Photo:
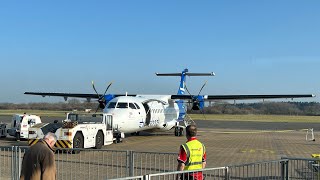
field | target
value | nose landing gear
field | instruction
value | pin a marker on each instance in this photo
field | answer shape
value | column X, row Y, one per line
column 178, row 131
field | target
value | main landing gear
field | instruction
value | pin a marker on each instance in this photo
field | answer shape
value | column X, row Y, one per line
column 178, row 131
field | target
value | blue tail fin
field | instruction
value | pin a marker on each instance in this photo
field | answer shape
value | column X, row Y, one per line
column 182, row 88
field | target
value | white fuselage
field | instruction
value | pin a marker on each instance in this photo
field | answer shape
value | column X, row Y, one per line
column 141, row 113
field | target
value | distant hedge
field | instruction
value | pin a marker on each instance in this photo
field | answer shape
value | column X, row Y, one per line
column 272, row 108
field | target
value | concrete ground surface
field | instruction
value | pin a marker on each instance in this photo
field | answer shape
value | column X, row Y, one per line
column 227, row 143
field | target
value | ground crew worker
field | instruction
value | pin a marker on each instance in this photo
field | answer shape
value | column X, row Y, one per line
column 38, row 162
column 192, row 155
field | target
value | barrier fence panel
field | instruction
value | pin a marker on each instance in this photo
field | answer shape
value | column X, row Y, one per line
column 149, row 162
column 220, row 173
column 91, row 164
column 259, row 170
column 303, row 168
column 6, row 163
column 19, row 151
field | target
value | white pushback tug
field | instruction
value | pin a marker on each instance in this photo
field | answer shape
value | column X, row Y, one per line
column 79, row 131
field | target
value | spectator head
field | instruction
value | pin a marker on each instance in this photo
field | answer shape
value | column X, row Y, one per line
column 191, row 131
column 50, row 138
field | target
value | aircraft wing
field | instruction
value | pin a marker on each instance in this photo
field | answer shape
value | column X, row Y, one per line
column 93, row 96
column 74, row 95
column 183, row 97
column 242, row 97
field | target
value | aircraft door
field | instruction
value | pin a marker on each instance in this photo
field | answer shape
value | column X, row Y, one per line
column 148, row 113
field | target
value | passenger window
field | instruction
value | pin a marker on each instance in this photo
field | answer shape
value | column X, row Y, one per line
column 132, row 106
column 122, row 105
column 112, row 105
column 137, row 105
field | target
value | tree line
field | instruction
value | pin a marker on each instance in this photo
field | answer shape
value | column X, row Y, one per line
column 269, row 108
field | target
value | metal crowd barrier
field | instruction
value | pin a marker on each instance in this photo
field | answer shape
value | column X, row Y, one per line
column 303, row 168
column 6, row 163
column 150, row 162
column 208, row 173
column 127, row 165
column 259, row 170
column 91, row 163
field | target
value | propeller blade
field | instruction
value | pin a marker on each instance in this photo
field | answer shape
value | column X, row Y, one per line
column 202, row 87
column 107, row 89
column 97, row 109
column 94, row 88
column 202, row 112
column 187, row 90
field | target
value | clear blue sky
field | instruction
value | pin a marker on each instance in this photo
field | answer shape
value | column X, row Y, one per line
column 254, row 47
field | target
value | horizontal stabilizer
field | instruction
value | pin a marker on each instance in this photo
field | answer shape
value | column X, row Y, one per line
column 187, row 74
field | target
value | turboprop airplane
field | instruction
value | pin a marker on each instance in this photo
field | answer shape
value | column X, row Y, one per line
column 133, row 113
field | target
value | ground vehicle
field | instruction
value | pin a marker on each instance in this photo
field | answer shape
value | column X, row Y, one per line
column 20, row 124
column 78, row 131
column 3, row 130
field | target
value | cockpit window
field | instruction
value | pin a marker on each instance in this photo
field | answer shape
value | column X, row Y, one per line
column 137, row 105
column 73, row 117
column 122, row 105
column 132, row 106
column 112, row 105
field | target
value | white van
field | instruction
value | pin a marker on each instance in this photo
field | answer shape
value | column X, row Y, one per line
column 20, row 125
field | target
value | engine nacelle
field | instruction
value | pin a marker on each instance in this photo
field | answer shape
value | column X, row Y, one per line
column 167, row 126
column 197, row 103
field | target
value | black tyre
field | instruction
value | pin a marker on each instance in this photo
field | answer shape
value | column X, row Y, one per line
column 135, row 133
column 119, row 139
column 178, row 131
column 99, row 140
column 181, row 132
column 77, row 142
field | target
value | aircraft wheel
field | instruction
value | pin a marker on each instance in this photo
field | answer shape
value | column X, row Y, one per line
column 99, row 140
column 77, row 142
column 176, row 131
column 135, row 133
column 181, row 131
column 118, row 138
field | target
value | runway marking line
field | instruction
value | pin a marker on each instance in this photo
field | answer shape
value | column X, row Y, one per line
column 263, row 151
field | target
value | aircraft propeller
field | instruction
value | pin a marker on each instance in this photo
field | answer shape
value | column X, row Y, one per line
column 101, row 100
column 197, row 101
